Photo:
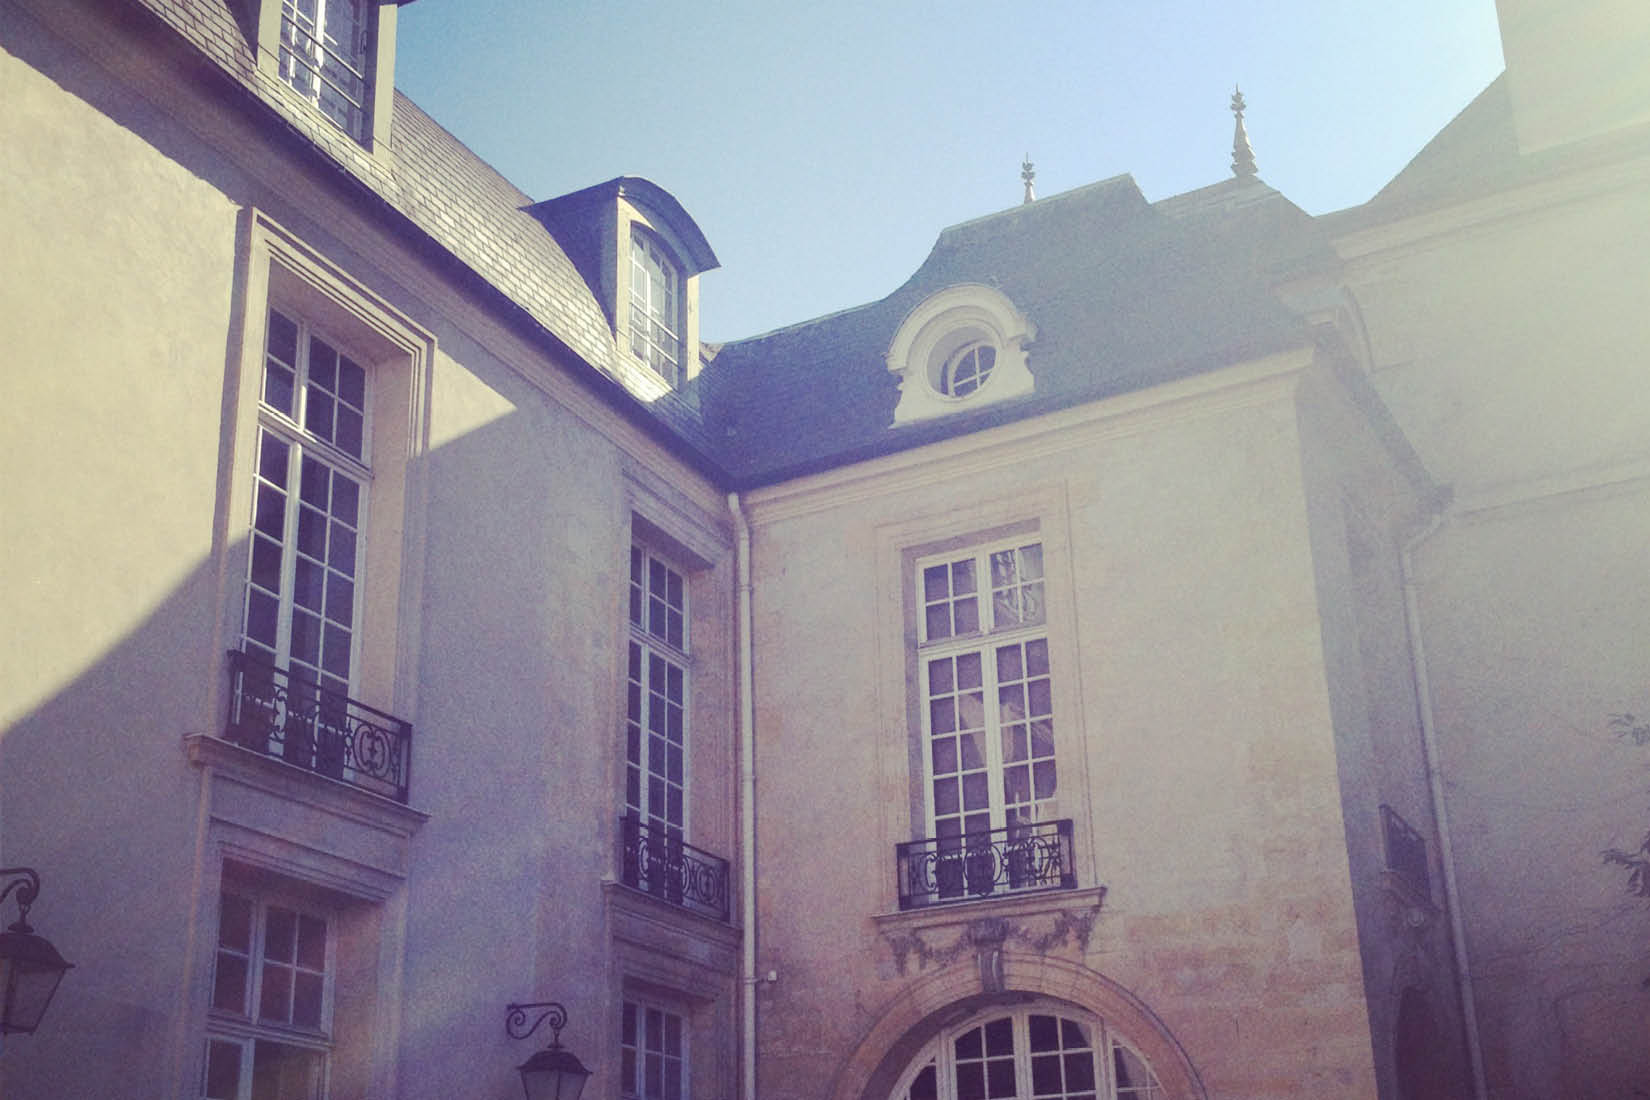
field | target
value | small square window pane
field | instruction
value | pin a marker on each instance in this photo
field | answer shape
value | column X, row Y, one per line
column 306, row 1000
column 1011, row 702
column 971, row 711
column 1045, row 1076
column 945, row 756
column 968, row 670
column 962, row 577
column 346, row 500
column 229, row 984
column 351, row 431
column 969, row 1045
column 306, row 638
column 1044, row 1032
column 1016, row 785
column 1080, row 1071
column 314, row 481
column 1042, row 738
column 973, row 752
column 945, row 796
column 279, row 386
column 223, row 1070
column 318, row 414
column 999, row 1037
column 1009, row 663
column 352, row 382
column 1005, row 609
column 968, row 615
column 1043, row 777
column 1002, row 569
column 308, row 584
column 275, row 997
column 934, row 585
column 235, row 923
column 942, row 716
column 940, row 679
column 341, row 549
column 335, row 657
column 273, row 454
column 312, row 942
column 1031, row 562
column 1014, row 744
column 1037, row 657
column 312, row 533
column 266, row 564
column 1038, row 698
column 938, row 621
column 323, row 363
column 280, row 934
column 262, row 617
column 269, row 518
column 283, row 338
column 340, row 599
column 976, row 791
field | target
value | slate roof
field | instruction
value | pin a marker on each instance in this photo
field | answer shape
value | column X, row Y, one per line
column 1125, row 294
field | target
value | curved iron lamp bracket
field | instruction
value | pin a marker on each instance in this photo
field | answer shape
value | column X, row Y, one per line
column 517, row 1027
column 27, row 884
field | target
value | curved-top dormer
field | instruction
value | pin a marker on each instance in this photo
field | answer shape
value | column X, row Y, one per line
column 641, row 254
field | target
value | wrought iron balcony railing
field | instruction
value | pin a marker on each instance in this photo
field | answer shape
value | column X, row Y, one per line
column 290, row 718
column 670, row 868
column 1018, row 859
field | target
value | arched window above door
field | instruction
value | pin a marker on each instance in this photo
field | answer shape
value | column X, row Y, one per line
column 1039, row 1052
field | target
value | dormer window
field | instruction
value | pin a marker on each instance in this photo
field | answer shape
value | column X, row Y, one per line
column 655, row 308
column 962, row 348
column 324, row 56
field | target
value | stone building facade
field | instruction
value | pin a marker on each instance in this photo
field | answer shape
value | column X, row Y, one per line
column 1176, row 666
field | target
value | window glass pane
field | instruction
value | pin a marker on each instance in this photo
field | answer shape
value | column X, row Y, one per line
column 282, row 1072
column 275, row 994
column 229, row 984
column 223, row 1070
column 235, row 923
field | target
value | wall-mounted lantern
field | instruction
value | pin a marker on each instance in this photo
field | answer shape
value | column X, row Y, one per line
column 554, row 1073
column 30, row 966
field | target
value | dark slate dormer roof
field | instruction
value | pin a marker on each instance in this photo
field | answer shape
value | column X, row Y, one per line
column 1125, row 294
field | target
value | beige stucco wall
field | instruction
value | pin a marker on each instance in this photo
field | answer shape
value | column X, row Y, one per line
column 1509, row 336
column 1197, row 753
column 124, row 336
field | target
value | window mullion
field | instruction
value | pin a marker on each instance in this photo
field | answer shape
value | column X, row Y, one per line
column 289, row 556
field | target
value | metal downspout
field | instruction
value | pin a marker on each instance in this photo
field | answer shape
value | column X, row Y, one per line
column 1435, row 783
column 747, row 803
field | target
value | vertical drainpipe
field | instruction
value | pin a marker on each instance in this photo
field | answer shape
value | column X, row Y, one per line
column 747, row 803
column 1435, row 782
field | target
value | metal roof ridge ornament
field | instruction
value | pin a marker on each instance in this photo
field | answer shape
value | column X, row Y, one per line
column 1243, row 157
column 1028, row 176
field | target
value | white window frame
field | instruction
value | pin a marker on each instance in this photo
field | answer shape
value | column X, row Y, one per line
column 672, row 648
column 639, row 1045
column 649, row 315
column 310, row 57
column 984, row 637
column 246, row 1028
column 302, row 443
column 1104, row 1044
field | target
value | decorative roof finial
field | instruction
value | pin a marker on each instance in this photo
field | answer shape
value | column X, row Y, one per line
column 1243, row 157
column 1028, row 174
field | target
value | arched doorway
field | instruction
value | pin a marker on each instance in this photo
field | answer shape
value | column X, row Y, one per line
column 1040, row 1051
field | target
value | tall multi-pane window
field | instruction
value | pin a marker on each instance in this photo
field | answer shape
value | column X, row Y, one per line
column 988, row 714
column 308, row 509
column 324, row 55
column 269, row 1028
column 656, row 697
column 653, row 1061
column 655, row 310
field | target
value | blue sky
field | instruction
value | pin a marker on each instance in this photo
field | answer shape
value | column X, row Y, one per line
column 822, row 147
